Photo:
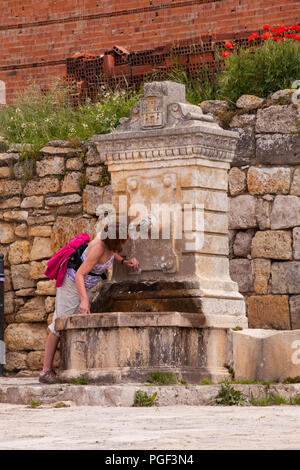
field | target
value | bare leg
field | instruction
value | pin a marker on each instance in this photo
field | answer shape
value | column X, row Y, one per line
column 50, row 349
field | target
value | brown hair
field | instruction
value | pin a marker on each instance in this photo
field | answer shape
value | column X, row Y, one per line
column 115, row 244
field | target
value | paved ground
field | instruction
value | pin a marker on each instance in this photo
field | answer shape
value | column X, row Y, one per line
column 165, row 428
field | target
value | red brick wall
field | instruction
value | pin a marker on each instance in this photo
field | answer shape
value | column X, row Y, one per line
column 37, row 36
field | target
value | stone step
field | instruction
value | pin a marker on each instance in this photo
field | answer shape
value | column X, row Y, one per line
column 23, row 391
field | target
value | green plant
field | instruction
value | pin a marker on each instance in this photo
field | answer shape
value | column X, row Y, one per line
column 142, row 399
column 292, row 380
column 295, row 400
column 34, row 404
column 229, row 396
column 160, row 378
column 260, row 70
column 206, row 382
column 61, row 404
column 268, row 400
column 79, row 381
column 237, row 328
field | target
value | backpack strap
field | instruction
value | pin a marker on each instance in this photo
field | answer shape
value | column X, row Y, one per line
column 75, row 261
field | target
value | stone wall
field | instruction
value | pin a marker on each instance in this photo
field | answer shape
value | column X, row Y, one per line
column 264, row 189
column 39, row 214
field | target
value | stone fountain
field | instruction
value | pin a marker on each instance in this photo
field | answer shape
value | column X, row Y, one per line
column 175, row 312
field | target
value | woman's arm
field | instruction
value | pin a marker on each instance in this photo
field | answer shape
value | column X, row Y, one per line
column 132, row 262
column 91, row 259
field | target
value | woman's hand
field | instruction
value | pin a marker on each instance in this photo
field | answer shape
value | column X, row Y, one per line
column 84, row 307
column 132, row 263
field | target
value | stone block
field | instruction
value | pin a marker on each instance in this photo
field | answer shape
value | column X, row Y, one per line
column 286, row 277
column 21, row 231
column 10, row 203
column 4, row 172
column 75, row 164
column 20, row 274
column 245, row 147
column 295, row 311
column 33, row 311
column 9, row 303
column 35, row 360
column 46, row 185
column 50, row 304
column 71, row 183
column 60, row 151
column 63, row 230
column 237, row 181
column 278, row 149
column 242, row 212
column 268, row 311
column 37, row 269
column 50, row 166
column 15, row 361
column 94, row 173
column 264, row 355
column 69, row 209
column 93, row 157
column 46, row 288
column 271, row 244
column 280, row 119
column 19, row 252
column 8, row 282
column 94, row 196
column 6, row 233
column 41, row 249
column 56, row 201
column 32, row 202
column 214, row 106
column 40, row 231
column 295, row 187
column 242, row 244
column 263, row 213
column 296, row 243
column 243, row 121
column 41, row 219
column 268, row 180
column 285, row 212
column 241, row 272
column 10, row 188
column 262, row 272
column 249, row 102
column 25, row 337
column 15, row 216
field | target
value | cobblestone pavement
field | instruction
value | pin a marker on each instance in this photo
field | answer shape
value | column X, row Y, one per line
column 166, row 428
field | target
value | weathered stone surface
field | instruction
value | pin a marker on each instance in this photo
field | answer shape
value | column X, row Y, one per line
column 285, row 212
column 94, row 173
column 33, row 311
column 8, row 283
column 50, row 166
column 71, row 183
column 249, row 102
column 283, row 95
column 296, row 243
column 6, row 233
column 242, row 212
column 269, row 244
column 10, row 203
column 35, row 360
column 40, row 231
column 50, row 304
column 242, row 243
column 262, row 272
column 15, row 361
column 37, row 269
column 25, row 292
column 7, row 159
column 19, row 252
column 245, row 147
column 60, row 151
column 268, row 180
column 243, row 120
column 263, row 213
column 10, row 188
column 295, row 311
column 9, row 302
column 75, row 164
column 41, row 249
column 46, row 185
column 21, row 276
column 15, row 216
column 268, row 311
column 274, row 119
column 4, row 172
column 93, row 157
column 61, row 200
column 65, row 228
column 93, row 196
column 34, row 202
column 25, row 337
column 69, row 209
column 295, row 187
column 21, row 231
column 46, row 288
column 278, row 149
column 42, row 219
column 24, row 169
column 4, row 249
column 241, row 272
column 285, row 277
column 214, row 106
column 237, row 181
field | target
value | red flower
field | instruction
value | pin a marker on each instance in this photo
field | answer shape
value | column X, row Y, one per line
column 275, row 38
column 225, row 54
column 267, row 35
column 266, row 27
column 228, row 45
column 253, row 36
